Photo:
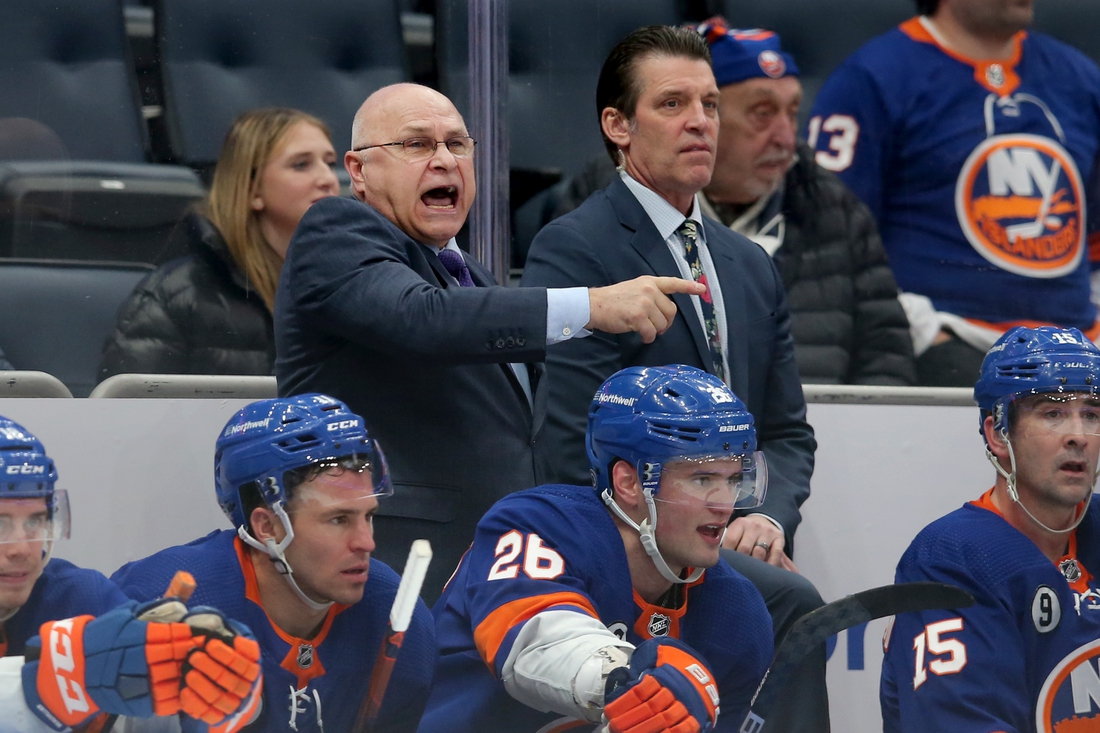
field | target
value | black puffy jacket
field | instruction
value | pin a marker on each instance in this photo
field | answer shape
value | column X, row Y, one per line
column 846, row 321
column 193, row 315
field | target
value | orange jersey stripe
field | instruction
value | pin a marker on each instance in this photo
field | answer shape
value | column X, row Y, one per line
column 916, row 30
column 1094, row 247
column 1093, row 332
column 490, row 633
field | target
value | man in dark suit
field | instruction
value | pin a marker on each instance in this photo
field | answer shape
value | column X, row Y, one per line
column 658, row 105
column 378, row 307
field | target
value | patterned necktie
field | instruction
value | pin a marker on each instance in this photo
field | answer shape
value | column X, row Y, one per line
column 690, row 236
column 456, row 266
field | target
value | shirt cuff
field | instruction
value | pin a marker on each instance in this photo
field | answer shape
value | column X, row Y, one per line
column 567, row 313
column 773, row 520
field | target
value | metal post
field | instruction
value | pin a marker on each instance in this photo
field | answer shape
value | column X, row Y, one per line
column 490, row 233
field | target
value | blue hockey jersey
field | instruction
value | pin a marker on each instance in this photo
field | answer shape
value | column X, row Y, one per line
column 62, row 591
column 1023, row 658
column 309, row 684
column 980, row 174
column 556, row 547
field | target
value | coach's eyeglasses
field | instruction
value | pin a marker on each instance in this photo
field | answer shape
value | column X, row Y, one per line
column 422, row 148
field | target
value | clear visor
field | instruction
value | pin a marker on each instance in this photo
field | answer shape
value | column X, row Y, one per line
column 33, row 520
column 355, row 476
column 721, row 482
column 1071, row 413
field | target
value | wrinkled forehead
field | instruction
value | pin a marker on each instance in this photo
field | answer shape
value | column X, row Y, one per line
column 336, row 488
column 724, row 464
column 418, row 113
column 22, row 507
column 1077, row 399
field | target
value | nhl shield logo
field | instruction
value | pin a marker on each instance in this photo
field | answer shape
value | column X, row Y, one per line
column 1070, row 569
column 305, row 656
column 995, row 75
column 659, row 624
column 771, row 64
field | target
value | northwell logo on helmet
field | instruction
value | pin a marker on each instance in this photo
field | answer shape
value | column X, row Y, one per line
column 232, row 430
column 616, row 399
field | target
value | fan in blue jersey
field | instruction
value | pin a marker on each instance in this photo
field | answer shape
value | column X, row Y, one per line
column 973, row 141
column 1024, row 657
column 300, row 479
column 60, row 683
column 577, row 606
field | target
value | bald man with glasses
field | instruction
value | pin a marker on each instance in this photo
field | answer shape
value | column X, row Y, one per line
column 378, row 307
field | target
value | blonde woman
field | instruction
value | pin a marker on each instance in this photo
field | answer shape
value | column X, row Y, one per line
column 209, row 312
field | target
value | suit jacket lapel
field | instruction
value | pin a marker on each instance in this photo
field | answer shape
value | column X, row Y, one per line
column 647, row 242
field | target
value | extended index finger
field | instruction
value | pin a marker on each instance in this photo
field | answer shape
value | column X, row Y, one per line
column 670, row 285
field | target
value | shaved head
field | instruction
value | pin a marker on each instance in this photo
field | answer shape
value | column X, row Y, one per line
column 373, row 113
column 428, row 199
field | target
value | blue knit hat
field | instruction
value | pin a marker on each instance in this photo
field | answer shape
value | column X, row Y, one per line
column 740, row 54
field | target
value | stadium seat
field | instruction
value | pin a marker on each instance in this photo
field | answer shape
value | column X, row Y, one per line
column 56, row 315
column 31, row 384
column 183, row 386
column 73, row 141
column 220, row 58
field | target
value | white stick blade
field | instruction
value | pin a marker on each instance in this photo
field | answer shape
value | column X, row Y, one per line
column 416, row 567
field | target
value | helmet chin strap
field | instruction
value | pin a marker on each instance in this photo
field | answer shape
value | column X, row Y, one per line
column 649, row 540
column 276, row 551
column 1014, row 494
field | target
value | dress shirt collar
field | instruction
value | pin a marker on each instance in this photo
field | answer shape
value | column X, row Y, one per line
column 664, row 215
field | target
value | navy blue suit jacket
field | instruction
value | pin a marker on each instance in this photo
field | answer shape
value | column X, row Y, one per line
column 366, row 314
column 609, row 239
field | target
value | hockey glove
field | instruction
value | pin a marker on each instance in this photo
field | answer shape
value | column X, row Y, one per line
column 666, row 688
column 222, row 683
column 117, row 663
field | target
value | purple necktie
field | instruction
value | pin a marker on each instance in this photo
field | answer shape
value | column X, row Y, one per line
column 456, row 266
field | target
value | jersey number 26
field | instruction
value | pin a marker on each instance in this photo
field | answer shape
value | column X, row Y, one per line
column 539, row 562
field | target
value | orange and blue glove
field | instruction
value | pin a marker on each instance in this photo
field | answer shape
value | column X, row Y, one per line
column 221, row 681
column 130, row 661
column 665, row 688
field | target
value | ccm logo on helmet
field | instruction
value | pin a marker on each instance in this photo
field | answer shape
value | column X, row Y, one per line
column 25, row 469
column 343, row 425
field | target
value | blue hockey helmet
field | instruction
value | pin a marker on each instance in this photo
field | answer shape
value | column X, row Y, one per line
column 269, row 442
column 26, row 472
column 648, row 416
column 657, row 417
column 1027, row 361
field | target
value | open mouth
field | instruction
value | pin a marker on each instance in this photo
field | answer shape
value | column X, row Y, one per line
column 443, row 197
column 1073, row 467
column 712, row 532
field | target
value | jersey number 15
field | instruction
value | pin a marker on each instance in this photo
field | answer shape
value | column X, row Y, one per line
column 932, row 641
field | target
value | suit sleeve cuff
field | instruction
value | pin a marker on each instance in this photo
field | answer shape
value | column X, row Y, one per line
column 567, row 313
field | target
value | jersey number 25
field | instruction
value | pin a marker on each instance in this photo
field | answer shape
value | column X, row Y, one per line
column 539, row 562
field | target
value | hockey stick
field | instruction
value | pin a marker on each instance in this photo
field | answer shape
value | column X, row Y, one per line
column 817, row 626
column 404, row 603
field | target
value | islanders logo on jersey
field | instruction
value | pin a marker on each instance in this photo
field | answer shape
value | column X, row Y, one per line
column 1020, row 203
column 1069, row 701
